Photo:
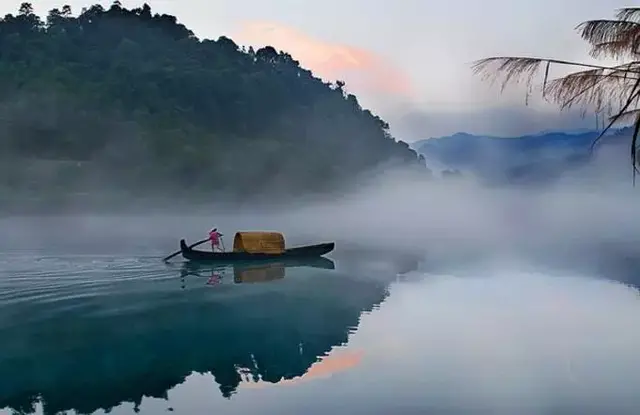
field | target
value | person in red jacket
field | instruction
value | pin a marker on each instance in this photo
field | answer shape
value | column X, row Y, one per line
column 214, row 237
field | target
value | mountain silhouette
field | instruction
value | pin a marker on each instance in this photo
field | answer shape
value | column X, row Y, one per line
column 532, row 159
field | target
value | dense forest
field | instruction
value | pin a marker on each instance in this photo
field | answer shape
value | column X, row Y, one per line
column 134, row 101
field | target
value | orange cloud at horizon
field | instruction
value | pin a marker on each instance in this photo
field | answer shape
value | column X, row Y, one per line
column 362, row 70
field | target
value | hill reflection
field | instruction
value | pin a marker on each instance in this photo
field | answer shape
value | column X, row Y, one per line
column 97, row 350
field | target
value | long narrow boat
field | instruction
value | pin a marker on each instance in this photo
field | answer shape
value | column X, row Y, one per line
column 239, row 254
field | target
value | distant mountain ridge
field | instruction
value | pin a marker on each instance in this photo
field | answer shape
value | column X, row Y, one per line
column 536, row 157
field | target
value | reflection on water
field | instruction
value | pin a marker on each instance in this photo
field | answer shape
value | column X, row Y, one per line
column 83, row 340
column 507, row 342
column 111, row 333
column 249, row 272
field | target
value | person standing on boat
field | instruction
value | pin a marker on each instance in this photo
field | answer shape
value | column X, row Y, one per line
column 214, row 237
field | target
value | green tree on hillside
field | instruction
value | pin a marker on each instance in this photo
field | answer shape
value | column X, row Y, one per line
column 141, row 101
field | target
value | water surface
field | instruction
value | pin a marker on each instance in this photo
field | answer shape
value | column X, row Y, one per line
column 122, row 333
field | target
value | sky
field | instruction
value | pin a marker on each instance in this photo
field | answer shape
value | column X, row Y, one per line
column 408, row 61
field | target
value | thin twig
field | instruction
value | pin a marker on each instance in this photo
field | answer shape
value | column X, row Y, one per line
column 634, row 95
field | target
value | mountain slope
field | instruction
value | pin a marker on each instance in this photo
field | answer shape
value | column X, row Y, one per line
column 133, row 100
column 540, row 158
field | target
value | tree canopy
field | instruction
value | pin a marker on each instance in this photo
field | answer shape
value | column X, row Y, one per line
column 134, row 99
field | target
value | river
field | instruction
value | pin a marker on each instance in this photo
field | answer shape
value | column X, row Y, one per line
column 90, row 330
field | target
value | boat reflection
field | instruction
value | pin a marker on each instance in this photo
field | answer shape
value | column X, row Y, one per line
column 249, row 272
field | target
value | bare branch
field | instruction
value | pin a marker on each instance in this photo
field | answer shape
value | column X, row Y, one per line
column 546, row 78
column 591, row 87
column 514, row 69
column 627, row 116
column 506, row 62
column 633, row 97
column 634, row 148
column 509, row 68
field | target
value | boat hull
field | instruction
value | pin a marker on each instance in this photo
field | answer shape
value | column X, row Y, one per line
column 303, row 252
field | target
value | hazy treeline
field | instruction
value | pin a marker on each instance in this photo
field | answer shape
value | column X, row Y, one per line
column 134, row 101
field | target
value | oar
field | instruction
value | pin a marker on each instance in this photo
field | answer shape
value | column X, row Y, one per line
column 190, row 246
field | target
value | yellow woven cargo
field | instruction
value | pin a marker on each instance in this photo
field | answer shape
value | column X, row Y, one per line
column 259, row 242
column 258, row 273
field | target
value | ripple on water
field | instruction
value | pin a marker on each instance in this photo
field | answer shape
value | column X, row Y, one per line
column 29, row 278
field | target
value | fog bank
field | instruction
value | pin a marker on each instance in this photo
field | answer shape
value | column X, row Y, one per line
column 438, row 218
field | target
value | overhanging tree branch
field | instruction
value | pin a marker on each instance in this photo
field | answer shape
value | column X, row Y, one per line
column 594, row 86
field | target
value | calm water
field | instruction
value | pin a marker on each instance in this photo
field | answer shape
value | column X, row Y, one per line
column 115, row 333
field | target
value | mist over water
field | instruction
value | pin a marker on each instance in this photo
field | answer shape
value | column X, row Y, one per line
column 521, row 300
column 398, row 213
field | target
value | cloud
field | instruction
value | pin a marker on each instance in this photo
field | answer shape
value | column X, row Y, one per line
column 363, row 70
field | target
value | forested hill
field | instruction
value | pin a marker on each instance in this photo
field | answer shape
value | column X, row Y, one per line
column 132, row 99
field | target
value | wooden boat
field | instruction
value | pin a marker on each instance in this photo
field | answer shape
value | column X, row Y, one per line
column 257, row 246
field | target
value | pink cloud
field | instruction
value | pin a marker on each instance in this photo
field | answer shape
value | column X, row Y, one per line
column 363, row 70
